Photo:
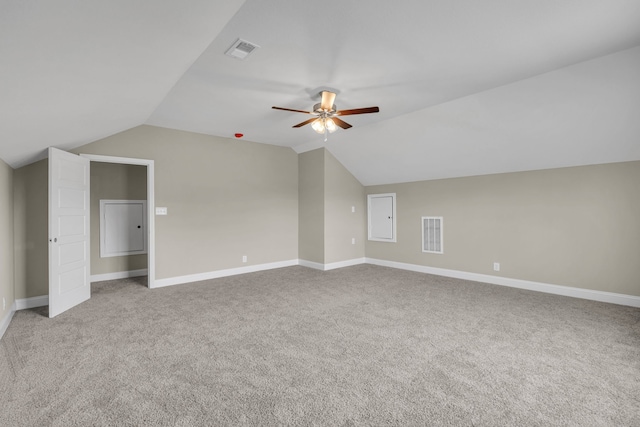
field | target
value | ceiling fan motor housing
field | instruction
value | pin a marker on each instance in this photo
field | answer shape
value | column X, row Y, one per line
column 318, row 108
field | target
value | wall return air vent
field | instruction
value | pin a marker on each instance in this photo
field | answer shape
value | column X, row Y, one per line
column 432, row 234
column 240, row 49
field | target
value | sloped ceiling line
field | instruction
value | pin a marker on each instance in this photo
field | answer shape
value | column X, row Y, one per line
column 464, row 88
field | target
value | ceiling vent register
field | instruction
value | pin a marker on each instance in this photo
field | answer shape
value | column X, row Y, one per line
column 240, row 49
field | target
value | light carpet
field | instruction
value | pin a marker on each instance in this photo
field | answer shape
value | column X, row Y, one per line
column 363, row 345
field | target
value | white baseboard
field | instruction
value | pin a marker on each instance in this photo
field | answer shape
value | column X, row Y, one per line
column 609, row 297
column 22, row 304
column 568, row 291
column 25, row 303
column 311, row 264
column 4, row 324
column 332, row 265
column 159, row 283
column 118, row 275
column 347, row 263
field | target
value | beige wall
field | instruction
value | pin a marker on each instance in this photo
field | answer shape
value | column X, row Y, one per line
column 576, row 227
column 6, row 239
column 31, row 225
column 327, row 191
column 311, row 206
column 225, row 197
column 342, row 191
column 112, row 181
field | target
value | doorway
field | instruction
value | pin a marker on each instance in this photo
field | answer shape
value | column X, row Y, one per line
column 150, row 204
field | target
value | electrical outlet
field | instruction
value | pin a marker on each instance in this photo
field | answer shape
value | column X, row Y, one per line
column 353, row 209
column 244, row 258
column 496, row 266
column 4, row 304
column 353, row 240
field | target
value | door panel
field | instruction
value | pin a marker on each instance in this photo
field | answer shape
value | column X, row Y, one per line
column 69, row 282
column 382, row 217
column 72, row 225
column 71, row 198
column 381, row 213
column 72, row 280
column 122, row 227
column 72, row 252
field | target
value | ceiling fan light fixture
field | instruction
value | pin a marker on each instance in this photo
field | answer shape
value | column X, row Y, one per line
column 324, row 124
column 330, row 125
column 318, row 126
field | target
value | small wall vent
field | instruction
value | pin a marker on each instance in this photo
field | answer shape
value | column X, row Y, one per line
column 240, row 49
column 432, row 234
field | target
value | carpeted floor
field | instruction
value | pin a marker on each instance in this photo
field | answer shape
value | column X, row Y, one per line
column 362, row 345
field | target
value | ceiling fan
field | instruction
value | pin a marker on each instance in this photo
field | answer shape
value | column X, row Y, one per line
column 326, row 114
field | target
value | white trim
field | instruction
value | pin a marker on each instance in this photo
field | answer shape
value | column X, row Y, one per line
column 26, row 303
column 151, row 219
column 610, row 297
column 311, row 264
column 114, row 159
column 4, row 324
column 118, row 275
column 222, row 273
column 347, row 263
column 333, row 265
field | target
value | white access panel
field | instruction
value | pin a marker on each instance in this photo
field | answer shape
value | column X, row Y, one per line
column 123, row 226
column 382, row 217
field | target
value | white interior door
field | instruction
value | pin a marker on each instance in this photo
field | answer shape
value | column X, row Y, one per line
column 69, row 268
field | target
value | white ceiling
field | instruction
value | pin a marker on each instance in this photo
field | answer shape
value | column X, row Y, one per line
column 464, row 87
column 74, row 71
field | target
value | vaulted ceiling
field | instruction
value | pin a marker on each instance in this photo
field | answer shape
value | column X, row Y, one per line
column 464, row 87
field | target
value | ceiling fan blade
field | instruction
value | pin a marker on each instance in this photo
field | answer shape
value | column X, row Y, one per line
column 358, row 111
column 327, row 100
column 341, row 123
column 306, row 122
column 289, row 109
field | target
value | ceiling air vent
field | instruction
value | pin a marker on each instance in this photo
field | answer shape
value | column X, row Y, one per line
column 241, row 49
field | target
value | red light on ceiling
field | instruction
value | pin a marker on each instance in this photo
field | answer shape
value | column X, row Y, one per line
column 239, row 135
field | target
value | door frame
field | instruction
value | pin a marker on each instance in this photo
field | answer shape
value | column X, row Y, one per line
column 151, row 225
